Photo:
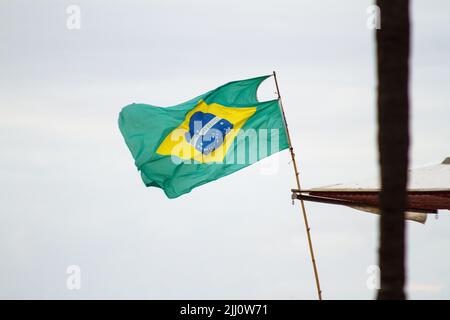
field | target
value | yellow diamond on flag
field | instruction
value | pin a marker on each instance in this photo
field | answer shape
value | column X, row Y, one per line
column 206, row 133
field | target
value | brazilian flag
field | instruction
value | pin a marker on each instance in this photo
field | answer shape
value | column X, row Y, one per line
column 213, row 135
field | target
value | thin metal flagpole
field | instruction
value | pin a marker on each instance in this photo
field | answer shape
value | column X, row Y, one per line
column 297, row 178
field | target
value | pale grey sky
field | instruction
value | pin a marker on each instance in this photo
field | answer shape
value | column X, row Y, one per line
column 70, row 194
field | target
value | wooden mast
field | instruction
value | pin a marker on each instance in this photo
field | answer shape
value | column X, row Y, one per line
column 302, row 204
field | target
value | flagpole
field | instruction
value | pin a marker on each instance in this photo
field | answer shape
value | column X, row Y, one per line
column 297, row 178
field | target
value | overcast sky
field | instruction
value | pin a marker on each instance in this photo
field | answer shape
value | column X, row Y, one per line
column 70, row 194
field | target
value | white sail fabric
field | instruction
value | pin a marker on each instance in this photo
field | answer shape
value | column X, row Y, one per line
column 430, row 178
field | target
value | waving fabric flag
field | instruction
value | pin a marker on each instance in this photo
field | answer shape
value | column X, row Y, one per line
column 213, row 135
